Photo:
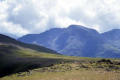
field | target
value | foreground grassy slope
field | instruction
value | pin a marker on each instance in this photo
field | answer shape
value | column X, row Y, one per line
column 71, row 71
column 16, row 59
column 23, row 63
column 81, row 74
column 16, row 56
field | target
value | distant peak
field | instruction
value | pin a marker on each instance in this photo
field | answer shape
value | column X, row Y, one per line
column 115, row 30
column 75, row 25
column 79, row 27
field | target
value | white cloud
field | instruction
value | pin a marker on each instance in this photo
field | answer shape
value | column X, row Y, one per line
column 17, row 9
column 10, row 27
column 35, row 16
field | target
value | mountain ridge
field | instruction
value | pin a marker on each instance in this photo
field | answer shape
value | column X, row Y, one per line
column 74, row 40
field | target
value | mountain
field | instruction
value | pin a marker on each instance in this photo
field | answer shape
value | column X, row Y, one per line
column 75, row 40
column 78, row 40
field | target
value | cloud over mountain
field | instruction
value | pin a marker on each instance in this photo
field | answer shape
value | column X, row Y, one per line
column 21, row 17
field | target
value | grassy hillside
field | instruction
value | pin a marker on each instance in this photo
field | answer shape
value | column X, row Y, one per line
column 23, row 63
column 15, row 59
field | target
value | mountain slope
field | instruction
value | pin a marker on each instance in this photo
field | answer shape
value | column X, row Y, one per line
column 77, row 40
column 111, row 44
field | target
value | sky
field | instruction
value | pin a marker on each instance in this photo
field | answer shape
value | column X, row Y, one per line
column 21, row 17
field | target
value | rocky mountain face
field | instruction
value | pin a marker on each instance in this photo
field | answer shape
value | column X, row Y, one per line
column 77, row 40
